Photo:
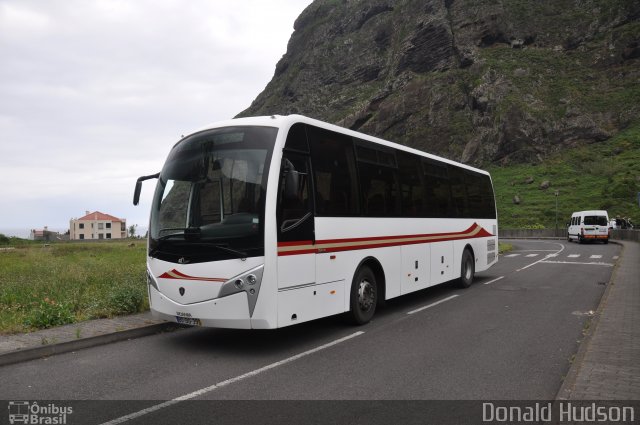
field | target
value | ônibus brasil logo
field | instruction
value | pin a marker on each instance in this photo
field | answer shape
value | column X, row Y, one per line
column 26, row 412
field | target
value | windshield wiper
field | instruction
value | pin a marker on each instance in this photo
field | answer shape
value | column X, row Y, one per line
column 188, row 232
column 240, row 254
column 192, row 236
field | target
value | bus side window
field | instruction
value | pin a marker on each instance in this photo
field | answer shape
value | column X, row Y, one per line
column 294, row 201
column 438, row 187
column 333, row 173
column 294, row 212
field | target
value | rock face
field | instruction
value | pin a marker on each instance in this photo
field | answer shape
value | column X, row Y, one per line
column 478, row 81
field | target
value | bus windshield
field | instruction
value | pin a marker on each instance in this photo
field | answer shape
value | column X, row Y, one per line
column 209, row 200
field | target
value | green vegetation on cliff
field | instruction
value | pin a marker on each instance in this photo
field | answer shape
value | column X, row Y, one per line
column 597, row 176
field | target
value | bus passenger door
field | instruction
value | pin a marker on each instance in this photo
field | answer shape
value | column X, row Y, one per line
column 296, row 253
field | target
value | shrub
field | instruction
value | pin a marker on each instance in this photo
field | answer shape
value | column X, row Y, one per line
column 126, row 300
column 49, row 313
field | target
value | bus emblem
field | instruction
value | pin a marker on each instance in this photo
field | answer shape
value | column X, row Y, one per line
column 181, row 290
column 183, row 260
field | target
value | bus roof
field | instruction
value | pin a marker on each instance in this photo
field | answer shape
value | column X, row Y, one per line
column 286, row 121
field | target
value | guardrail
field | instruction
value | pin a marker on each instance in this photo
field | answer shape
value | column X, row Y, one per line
column 623, row 235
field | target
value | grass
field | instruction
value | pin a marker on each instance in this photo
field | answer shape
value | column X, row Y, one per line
column 598, row 176
column 504, row 247
column 43, row 286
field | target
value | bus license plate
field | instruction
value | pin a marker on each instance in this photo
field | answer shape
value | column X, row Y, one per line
column 188, row 321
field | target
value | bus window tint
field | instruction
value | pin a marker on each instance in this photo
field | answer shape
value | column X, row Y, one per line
column 458, row 193
column 412, row 190
column 297, row 139
column 294, row 204
column 333, row 165
column 379, row 190
column 438, row 190
column 378, row 180
column 479, row 195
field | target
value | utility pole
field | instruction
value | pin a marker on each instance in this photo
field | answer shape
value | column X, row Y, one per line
column 557, row 192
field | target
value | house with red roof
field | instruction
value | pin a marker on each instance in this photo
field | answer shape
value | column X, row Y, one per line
column 44, row 235
column 97, row 225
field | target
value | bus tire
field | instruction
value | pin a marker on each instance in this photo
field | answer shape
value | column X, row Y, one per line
column 364, row 296
column 467, row 269
column 568, row 237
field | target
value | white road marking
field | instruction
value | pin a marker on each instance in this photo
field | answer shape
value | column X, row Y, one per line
column 202, row 391
column 596, row 256
column 534, row 250
column 543, row 258
column 573, row 255
column 494, row 280
column 531, row 255
column 615, row 257
column 432, row 304
column 578, row 262
column 552, row 255
column 512, row 255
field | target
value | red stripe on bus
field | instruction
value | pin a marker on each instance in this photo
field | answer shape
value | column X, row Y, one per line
column 306, row 247
column 382, row 238
column 175, row 274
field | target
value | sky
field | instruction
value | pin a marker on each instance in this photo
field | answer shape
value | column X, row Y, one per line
column 94, row 93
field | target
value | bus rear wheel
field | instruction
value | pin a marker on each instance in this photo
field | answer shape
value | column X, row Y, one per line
column 467, row 269
column 364, row 296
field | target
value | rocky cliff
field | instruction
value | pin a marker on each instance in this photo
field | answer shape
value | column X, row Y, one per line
column 480, row 81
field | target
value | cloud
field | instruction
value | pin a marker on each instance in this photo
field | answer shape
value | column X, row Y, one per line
column 95, row 93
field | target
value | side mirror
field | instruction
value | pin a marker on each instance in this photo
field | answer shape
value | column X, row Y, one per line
column 291, row 182
column 136, row 192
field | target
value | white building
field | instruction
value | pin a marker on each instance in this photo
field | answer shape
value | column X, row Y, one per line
column 97, row 225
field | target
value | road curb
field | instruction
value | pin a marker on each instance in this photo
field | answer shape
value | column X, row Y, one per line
column 27, row 354
column 570, row 379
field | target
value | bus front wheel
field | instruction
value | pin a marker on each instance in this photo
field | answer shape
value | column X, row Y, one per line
column 467, row 269
column 364, row 296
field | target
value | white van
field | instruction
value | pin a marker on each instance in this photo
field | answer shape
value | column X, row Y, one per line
column 589, row 226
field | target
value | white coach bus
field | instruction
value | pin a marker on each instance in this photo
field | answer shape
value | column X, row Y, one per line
column 266, row 222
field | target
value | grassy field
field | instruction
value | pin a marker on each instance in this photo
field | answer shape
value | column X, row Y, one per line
column 43, row 286
column 598, row 176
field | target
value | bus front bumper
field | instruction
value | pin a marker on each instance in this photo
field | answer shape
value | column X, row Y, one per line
column 227, row 312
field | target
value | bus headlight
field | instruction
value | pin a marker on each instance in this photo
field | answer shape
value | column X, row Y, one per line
column 252, row 279
column 239, row 283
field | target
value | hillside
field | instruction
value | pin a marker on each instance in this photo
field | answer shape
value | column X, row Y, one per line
column 493, row 83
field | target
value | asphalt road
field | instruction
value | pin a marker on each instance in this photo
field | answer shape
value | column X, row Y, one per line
column 510, row 336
